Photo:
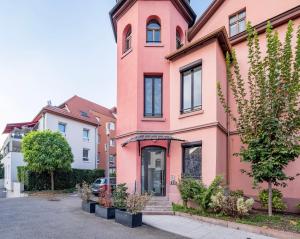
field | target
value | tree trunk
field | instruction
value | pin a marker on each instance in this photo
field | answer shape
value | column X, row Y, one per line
column 270, row 199
column 52, row 181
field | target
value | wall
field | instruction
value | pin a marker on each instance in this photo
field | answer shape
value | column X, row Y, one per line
column 74, row 137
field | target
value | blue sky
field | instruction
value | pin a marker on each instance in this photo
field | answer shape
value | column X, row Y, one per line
column 53, row 49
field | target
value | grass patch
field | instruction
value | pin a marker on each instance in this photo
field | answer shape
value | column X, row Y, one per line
column 278, row 221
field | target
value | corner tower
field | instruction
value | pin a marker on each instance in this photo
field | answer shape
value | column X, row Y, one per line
column 146, row 31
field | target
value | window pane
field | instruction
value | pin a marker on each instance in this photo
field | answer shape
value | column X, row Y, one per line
column 85, row 133
column 149, row 36
column 148, row 96
column 153, row 25
column 242, row 15
column 242, row 26
column 62, row 128
column 192, row 162
column 187, row 87
column 233, row 29
column 232, row 19
column 197, row 87
column 157, row 36
column 157, row 96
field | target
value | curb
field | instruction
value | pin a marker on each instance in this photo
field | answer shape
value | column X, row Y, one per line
column 238, row 226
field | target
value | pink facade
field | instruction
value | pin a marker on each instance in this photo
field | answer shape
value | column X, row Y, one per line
column 184, row 127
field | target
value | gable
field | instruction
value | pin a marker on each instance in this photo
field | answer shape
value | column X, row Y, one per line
column 257, row 11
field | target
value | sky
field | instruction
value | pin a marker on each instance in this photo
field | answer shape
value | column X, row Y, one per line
column 54, row 49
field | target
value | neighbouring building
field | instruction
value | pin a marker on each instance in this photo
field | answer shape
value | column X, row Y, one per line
column 83, row 124
column 170, row 120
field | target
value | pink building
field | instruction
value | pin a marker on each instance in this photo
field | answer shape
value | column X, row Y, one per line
column 170, row 121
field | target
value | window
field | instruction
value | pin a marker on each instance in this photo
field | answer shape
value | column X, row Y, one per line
column 84, row 114
column 153, row 96
column 192, row 160
column 85, row 154
column 237, row 23
column 127, row 45
column 62, row 128
column 112, row 160
column 191, row 92
column 178, row 39
column 98, row 158
column 85, row 134
column 112, row 143
column 153, row 31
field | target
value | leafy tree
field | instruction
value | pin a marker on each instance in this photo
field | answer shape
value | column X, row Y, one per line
column 268, row 120
column 46, row 151
column 1, row 167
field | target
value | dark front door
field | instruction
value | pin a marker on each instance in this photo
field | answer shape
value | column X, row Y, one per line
column 154, row 171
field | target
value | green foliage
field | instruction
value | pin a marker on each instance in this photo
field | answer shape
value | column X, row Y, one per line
column 205, row 198
column 120, row 196
column 194, row 190
column 136, row 203
column 46, row 151
column 1, row 167
column 268, row 113
column 63, row 180
column 277, row 199
column 231, row 205
column 237, row 193
column 85, row 192
column 189, row 188
column 298, row 206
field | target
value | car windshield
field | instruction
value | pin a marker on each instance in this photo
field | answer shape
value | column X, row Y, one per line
column 100, row 181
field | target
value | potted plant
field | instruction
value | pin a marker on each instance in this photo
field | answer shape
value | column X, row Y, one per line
column 133, row 216
column 85, row 193
column 120, row 196
column 105, row 208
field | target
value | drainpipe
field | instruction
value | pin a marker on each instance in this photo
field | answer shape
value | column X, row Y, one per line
column 228, row 135
column 96, row 144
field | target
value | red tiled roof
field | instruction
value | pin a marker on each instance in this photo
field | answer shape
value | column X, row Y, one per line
column 77, row 104
column 64, row 113
column 10, row 127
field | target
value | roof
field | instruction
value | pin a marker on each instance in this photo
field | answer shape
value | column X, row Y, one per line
column 64, row 113
column 10, row 127
column 145, row 137
column 219, row 34
column 182, row 5
column 78, row 104
column 212, row 8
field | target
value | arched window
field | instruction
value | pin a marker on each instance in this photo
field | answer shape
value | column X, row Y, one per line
column 153, row 31
column 179, row 37
column 127, row 39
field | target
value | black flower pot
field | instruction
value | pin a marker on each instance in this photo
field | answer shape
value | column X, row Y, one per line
column 88, row 206
column 104, row 212
column 127, row 219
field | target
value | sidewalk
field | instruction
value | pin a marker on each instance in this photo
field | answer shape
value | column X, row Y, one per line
column 196, row 229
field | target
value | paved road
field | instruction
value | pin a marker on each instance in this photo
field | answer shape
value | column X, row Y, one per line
column 37, row 218
column 198, row 230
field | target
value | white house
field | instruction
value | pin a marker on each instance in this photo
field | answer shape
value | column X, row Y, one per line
column 80, row 130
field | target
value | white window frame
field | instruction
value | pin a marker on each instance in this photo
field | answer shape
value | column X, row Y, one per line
column 112, row 143
column 65, row 125
column 88, row 135
column 85, row 159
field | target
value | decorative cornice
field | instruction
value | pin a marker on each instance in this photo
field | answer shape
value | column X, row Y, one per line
column 219, row 34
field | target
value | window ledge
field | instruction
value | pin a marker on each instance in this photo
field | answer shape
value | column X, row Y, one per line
column 149, row 44
column 154, row 119
column 189, row 114
column 126, row 53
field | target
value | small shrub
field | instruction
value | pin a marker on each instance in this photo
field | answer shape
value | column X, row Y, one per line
column 189, row 188
column 85, row 192
column 105, row 199
column 135, row 203
column 230, row 205
column 277, row 199
column 237, row 193
column 120, row 196
column 298, row 206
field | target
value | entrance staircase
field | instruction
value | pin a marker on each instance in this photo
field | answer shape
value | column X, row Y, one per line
column 158, row 206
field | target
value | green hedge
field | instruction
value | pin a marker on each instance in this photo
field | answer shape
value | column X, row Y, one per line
column 62, row 180
column 1, row 172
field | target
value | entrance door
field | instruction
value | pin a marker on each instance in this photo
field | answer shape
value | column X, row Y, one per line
column 154, row 171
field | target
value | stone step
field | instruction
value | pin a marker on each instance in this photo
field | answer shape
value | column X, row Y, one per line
column 159, row 199
column 159, row 204
column 158, row 213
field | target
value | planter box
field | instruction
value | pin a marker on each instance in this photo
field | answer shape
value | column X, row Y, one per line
column 128, row 219
column 88, row 206
column 107, row 213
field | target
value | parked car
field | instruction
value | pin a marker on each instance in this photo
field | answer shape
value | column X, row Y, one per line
column 99, row 185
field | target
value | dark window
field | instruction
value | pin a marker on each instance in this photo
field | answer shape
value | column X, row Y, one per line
column 191, row 89
column 178, row 40
column 62, row 127
column 153, row 31
column 153, row 97
column 237, row 23
column 84, row 114
column 192, row 160
column 128, row 40
column 85, row 154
